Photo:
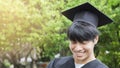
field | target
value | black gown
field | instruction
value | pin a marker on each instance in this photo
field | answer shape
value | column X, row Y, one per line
column 68, row 62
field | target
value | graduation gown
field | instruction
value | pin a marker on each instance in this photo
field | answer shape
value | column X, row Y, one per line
column 68, row 62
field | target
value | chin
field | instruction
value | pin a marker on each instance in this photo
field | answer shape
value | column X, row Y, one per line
column 79, row 58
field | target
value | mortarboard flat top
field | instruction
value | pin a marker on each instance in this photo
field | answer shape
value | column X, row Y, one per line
column 102, row 18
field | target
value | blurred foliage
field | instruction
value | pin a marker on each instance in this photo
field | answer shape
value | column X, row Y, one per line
column 39, row 24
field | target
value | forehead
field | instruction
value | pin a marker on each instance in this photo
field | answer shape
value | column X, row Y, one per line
column 76, row 41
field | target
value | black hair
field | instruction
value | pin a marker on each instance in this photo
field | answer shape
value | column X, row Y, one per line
column 82, row 31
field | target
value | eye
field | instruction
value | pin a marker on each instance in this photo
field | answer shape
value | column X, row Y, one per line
column 73, row 42
column 85, row 42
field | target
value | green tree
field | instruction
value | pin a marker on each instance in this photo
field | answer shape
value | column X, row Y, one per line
column 39, row 24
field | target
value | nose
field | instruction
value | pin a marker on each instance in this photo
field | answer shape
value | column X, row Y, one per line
column 78, row 47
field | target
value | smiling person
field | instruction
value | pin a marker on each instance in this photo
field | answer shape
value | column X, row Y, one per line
column 83, row 35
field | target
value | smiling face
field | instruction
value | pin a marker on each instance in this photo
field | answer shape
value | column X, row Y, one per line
column 83, row 52
column 83, row 37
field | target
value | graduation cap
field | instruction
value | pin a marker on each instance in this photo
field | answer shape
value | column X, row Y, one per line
column 87, row 13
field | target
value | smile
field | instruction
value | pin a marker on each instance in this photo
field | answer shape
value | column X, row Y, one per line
column 79, row 54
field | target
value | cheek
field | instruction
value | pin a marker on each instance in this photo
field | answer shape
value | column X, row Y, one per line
column 89, row 47
column 71, row 47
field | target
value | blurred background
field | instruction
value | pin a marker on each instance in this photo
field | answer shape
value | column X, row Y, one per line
column 33, row 32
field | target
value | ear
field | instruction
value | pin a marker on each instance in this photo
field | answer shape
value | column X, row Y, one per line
column 96, row 39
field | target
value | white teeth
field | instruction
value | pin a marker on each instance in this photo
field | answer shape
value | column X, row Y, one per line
column 79, row 51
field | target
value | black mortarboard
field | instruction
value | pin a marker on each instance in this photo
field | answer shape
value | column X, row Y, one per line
column 87, row 13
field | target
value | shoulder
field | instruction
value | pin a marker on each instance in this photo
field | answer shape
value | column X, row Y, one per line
column 57, row 62
column 95, row 64
column 100, row 64
column 63, row 58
